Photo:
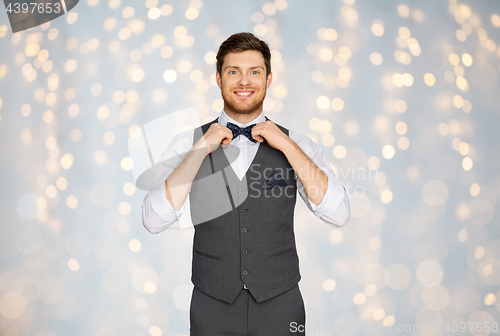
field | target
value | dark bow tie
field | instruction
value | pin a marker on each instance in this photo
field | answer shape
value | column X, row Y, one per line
column 237, row 130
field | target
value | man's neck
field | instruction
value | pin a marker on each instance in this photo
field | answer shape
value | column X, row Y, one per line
column 243, row 118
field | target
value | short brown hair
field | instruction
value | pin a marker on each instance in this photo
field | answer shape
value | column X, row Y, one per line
column 242, row 42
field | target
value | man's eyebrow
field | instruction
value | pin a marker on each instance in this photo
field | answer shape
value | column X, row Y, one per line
column 237, row 67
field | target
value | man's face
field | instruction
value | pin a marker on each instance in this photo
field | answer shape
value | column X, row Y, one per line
column 243, row 81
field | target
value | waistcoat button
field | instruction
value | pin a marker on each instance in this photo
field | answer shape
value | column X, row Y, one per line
column 244, row 230
column 243, row 209
column 245, row 272
column 245, row 251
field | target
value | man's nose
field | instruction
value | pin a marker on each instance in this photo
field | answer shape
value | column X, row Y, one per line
column 244, row 80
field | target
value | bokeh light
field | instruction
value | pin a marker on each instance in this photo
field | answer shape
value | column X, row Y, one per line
column 402, row 98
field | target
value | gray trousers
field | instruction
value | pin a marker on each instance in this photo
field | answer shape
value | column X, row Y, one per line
column 246, row 317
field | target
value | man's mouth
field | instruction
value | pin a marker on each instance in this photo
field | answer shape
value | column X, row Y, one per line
column 244, row 93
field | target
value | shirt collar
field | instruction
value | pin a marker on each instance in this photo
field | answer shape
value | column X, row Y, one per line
column 224, row 119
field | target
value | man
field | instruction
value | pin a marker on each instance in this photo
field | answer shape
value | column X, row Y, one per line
column 242, row 173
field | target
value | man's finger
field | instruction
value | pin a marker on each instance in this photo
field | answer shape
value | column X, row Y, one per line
column 229, row 134
column 258, row 138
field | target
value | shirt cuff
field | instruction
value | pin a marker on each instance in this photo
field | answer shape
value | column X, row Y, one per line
column 334, row 195
column 162, row 207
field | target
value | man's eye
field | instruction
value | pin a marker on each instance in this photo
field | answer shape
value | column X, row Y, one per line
column 232, row 72
column 255, row 72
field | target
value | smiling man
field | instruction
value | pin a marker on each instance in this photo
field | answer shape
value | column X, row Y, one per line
column 242, row 173
column 245, row 82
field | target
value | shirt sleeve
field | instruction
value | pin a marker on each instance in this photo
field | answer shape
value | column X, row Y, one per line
column 157, row 212
column 334, row 208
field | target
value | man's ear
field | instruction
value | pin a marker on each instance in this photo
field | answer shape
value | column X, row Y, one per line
column 218, row 79
column 269, row 80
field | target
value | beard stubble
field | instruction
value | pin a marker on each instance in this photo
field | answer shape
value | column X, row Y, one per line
column 234, row 108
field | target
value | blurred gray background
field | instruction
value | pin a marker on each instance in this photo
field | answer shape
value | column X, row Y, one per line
column 402, row 97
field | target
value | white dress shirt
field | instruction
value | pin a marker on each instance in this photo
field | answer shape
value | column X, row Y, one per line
column 158, row 214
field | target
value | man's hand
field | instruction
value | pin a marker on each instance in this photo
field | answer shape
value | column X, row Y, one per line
column 178, row 183
column 313, row 179
column 214, row 136
column 274, row 136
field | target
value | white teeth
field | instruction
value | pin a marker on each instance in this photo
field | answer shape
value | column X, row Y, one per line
column 244, row 93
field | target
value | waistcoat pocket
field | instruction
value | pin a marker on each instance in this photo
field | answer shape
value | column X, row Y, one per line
column 280, row 252
column 207, row 255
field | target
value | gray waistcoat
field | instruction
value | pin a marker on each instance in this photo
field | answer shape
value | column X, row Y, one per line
column 243, row 230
